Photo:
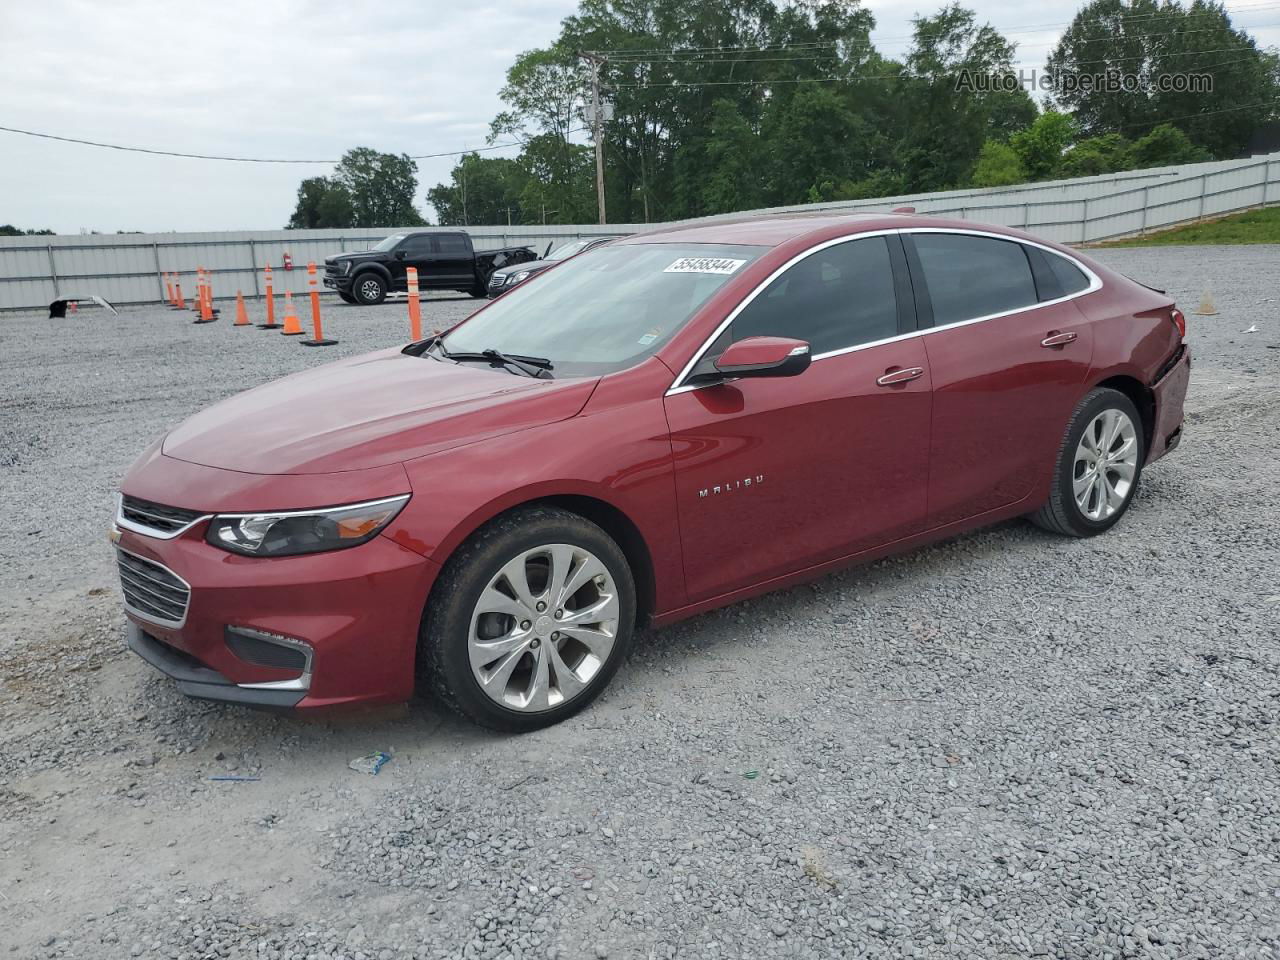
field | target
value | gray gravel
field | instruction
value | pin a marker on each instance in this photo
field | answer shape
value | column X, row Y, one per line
column 1007, row 745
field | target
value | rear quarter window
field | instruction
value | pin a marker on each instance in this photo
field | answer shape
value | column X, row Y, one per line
column 1071, row 279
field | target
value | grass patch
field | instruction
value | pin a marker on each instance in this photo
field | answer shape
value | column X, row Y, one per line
column 1253, row 226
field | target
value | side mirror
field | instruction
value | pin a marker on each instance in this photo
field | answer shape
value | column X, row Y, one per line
column 765, row 357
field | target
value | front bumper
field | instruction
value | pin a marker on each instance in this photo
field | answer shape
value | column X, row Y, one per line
column 196, row 680
column 355, row 613
column 337, row 282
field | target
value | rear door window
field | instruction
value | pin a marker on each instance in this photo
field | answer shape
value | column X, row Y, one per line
column 451, row 244
column 969, row 276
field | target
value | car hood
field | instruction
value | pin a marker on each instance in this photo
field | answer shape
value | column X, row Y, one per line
column 369, row 411
column 354, row 255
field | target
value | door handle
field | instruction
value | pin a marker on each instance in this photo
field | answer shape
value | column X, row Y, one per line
column 1058, row 339
column 900, row 376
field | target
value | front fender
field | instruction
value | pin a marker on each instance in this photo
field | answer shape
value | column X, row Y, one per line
column 374, row 267
column 617, row 451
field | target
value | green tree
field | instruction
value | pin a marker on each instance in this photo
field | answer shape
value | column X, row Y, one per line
column 1108, row 153
column 381, row 187
column 733, row 177
column 946, row 123
column 483, row 190
column 998, row 166
column 1154, row 39
column 1163, row 146
column 322, row 203
column 1040, row 146
column 544, row 91
column 9, row 230
column 560, row 184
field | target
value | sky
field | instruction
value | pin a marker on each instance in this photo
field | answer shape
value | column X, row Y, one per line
column 297, row 80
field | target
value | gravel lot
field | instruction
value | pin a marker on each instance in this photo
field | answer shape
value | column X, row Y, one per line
column 1007, row 745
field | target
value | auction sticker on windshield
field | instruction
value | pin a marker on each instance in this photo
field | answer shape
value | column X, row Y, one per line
column 704, row 265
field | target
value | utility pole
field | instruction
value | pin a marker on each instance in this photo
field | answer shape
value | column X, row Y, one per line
column 596, row 60
column 464, row 190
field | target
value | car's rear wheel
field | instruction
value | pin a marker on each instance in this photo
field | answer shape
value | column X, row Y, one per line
column 369, row 289
column 481, row 289
column 1098, row 468
column 529, row 620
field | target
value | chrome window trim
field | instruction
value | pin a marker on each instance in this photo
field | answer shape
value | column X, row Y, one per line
column 1095, row 284
column 152, row 532
column 142, row 615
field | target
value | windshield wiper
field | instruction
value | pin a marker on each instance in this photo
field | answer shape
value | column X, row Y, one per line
column 536, row 367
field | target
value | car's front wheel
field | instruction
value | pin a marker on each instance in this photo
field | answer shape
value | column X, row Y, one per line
column 529, row 620
column 1098, row 468
column 346, row 297
column 369, row 289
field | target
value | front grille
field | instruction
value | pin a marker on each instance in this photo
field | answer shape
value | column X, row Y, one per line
column 156, row 516
column 153, row 591
column 497, row 280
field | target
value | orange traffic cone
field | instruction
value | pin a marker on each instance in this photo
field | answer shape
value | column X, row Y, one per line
column 271, row 305
column 179, row 303
column 292, row 325
column 242, row 315
column 318, row 338
column 207, row 313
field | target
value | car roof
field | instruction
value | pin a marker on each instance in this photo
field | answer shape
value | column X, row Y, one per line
column 777, row 229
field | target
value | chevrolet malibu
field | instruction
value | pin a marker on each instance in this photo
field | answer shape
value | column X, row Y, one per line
column 681, row 420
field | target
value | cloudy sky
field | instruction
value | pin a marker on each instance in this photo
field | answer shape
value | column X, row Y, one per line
column 297, row 80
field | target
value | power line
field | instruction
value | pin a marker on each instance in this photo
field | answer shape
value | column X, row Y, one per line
column 1203, row 113
column 205, row 156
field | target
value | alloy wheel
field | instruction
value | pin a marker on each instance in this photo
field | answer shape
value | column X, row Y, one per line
column 1106, row 463
column 543, row 628
column 370, row 289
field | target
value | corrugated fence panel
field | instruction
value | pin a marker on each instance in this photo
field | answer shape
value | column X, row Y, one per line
column 126, row 268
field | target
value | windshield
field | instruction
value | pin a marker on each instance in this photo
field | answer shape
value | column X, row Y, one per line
column 388, row 243
column 568, row 250
column 606, row 312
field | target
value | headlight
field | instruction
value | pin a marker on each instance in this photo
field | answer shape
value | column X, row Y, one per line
column 346, row 266
column 307, row 531
column 517, row 277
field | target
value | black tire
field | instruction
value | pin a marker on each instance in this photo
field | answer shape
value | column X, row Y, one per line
column 482, row 288
column 346, row 297
column 1061, row 513
column 369, row 289
column 444, row 666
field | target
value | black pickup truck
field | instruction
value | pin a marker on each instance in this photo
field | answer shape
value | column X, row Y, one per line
column 445, row 260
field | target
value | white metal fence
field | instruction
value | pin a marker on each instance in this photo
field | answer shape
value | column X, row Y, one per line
column 130, row 268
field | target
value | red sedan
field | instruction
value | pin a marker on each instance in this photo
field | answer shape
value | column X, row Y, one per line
column 656, row 428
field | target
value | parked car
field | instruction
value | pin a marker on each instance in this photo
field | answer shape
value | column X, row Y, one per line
column 503, row 279
column 678, row 421
column 444, row 259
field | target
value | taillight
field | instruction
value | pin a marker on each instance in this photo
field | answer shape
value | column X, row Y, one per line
column 1180, row 322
